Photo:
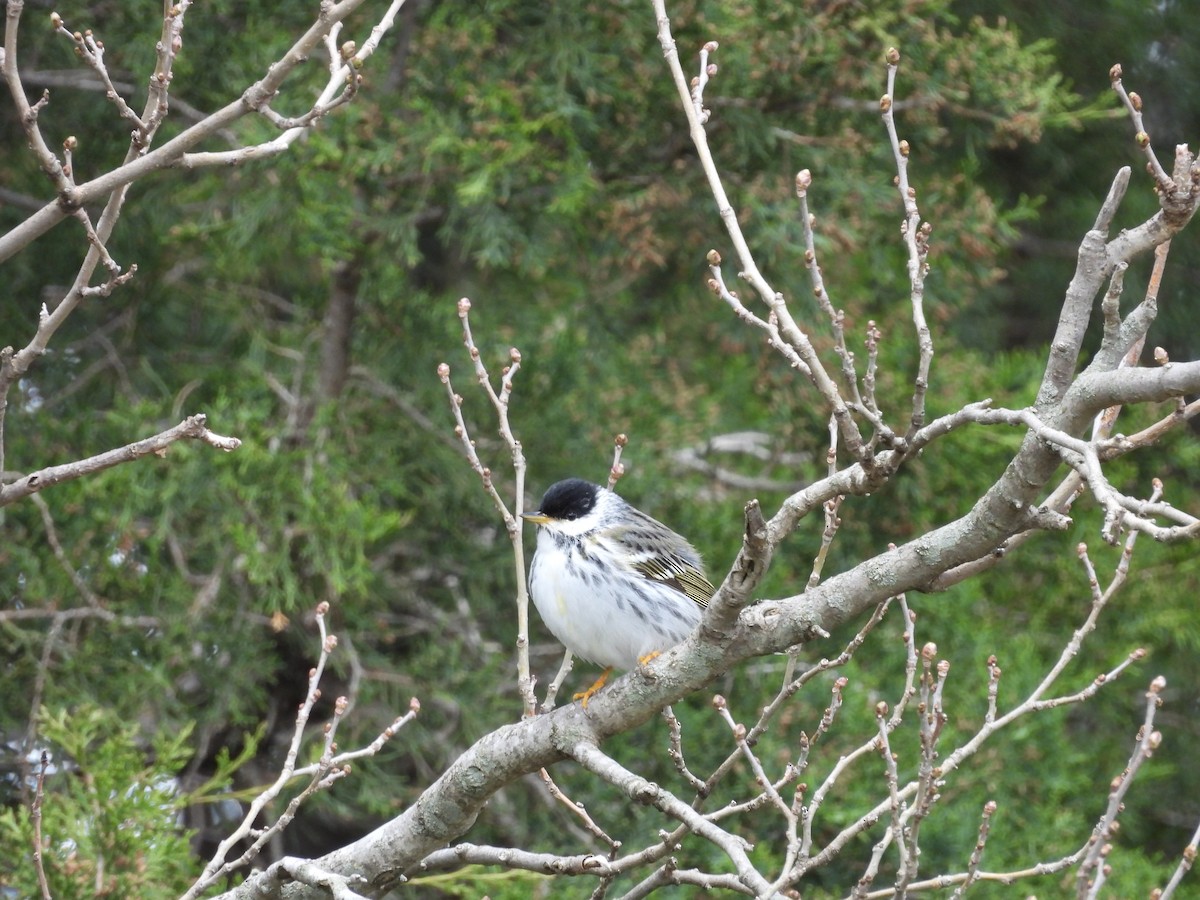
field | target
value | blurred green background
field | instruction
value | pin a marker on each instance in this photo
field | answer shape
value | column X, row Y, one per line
column 533, row 158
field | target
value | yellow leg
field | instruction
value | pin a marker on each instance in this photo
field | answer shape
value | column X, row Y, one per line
column 587, row 695
column 653, row 654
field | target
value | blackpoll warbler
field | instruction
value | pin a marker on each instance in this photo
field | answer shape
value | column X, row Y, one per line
column 614, row 585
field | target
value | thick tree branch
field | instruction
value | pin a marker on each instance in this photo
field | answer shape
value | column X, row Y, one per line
column 1099, row 390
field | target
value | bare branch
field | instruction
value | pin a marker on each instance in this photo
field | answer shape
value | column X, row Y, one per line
column 327, row 770
column 31, row 613
column 1186, row 860
column 172, row 153
column 617, row 469
column 192, row 427
column 35, row 814
column 1092, row 874
column 91, row 51
column 511, row 519
column 774, row 300
column 972, row 873
column 339, row 887
column 84, row 80
column 916, row 240
column 1133, row 103
column 639, row 789
column 804, row 180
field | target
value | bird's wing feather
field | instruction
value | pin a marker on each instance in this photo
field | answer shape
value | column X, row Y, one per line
column 675, row 563
column 680, row 575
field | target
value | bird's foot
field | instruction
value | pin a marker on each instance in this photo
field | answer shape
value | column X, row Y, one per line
column 587, row 695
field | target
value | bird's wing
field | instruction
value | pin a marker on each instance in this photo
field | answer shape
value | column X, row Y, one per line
column 679, row 574
column 676, row 565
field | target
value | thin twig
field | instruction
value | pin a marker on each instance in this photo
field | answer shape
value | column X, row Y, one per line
column 804, row 180
column 1133, row 104
column 1186, row 860
column 985, row 827
column 35, row 814
column 1092, row 872
column 775, row 302
column 578, row 810
column 916, row 240
column 330, row 768
column 617, row 469
column 512, row 519
column 192, row 427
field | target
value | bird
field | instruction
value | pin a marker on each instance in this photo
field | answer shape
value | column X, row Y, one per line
column 613, row 585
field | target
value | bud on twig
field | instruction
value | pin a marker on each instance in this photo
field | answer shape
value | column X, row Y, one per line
column 885, row 103
column 892, row 56
column 1114, row 74
column 713, row 257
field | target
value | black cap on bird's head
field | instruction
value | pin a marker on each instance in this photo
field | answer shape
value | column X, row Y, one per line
column 566, row 500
